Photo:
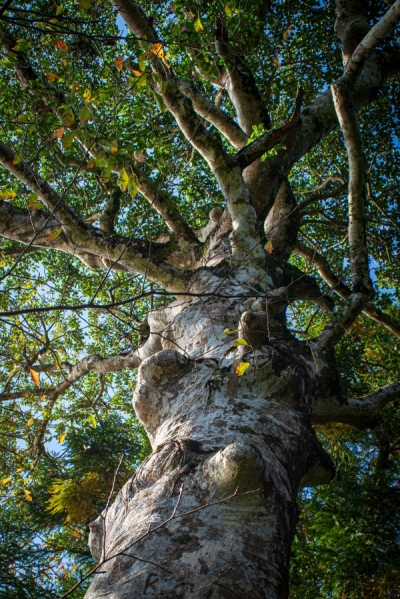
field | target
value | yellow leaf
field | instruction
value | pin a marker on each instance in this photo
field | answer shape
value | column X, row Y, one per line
column 62, row 46
column 19, row 469
column 87, row 95
column 158, row 49
column 5, row 481
column 239, row 342
column 269, row 248
column 241, row 368
column 198, row 26
column 28, row 495
column 119, row 63
column 58, row 133
column 29, row 422
column 123, row 180
column 230, row 332
column 54, row 234
column 64, row 63
column 61, row 438
column 51, row 77
column 92, row 420
column 114, row 150
column 34, row 376
column 6, row 194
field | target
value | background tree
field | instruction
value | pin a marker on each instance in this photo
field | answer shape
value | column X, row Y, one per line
column 177, row 196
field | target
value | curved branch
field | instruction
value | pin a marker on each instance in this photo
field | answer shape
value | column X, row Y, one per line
column 342, row 290
column 360, row 413
column 217, row 117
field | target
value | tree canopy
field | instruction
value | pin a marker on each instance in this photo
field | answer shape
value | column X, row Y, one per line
column 118, row 130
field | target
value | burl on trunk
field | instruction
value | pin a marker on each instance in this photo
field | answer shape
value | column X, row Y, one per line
column 214, row 434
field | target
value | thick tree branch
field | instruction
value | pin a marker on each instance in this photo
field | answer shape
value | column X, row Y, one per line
column 85, row 241
column 360, row 413
column 372, row 39
column 266, row 142
column 342, row 289
column 217, row 117
column 240, row 84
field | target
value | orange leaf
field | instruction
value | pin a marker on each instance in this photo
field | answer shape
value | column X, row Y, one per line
column 277, row 64
column 119, row 63
column 58, row 133
column 51, row 77
column 269, row 247
column 34, row 376
column 137, row 72
column 62, row 46
column 242, row 367
column 54, row 234
column 91, row 164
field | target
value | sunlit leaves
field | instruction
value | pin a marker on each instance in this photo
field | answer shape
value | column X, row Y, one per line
column 123, row 180
column 27, row 495
column 239, row 342
column 198, row 25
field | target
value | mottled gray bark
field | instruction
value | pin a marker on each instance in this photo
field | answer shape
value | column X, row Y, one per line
column 214, row 431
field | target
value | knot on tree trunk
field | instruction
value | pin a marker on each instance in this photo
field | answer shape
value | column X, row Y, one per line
column 239, row 465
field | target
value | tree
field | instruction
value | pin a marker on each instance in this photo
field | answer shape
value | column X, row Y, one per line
column 248, row 326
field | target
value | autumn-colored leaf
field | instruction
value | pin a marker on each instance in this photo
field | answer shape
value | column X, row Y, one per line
column 43, row 397
column 92, row 420
column 29, row 422
column 61, row 438
column 28, row 495
column 17, row 159
column 119, row 63
column 277, row 64
column 137, row 72
column 239, row 342
column 34, row 376
column 286, row 32
column 56, row 233
column 5, row 481
column 269, row 248
column 7, row 194
column 91, row 164
column 62, row 46
column 68, row 117
column 86, row 95
column 51, row 77
column 198, row 26
column 114, row 149
column 32, row 201
column 58, row 133
column 158, row 49
column 241, row 368
column 123, row 180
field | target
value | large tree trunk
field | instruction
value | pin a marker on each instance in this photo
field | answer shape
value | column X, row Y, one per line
column 213, row 432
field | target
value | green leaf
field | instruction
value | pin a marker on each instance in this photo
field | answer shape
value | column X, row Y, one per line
column 229, row 332
column 92, row 420
column 84, row 114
